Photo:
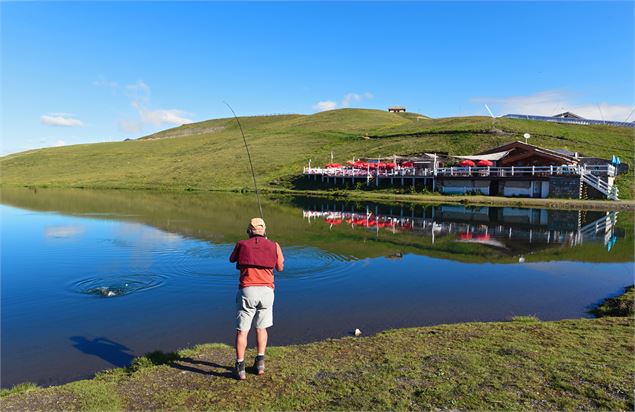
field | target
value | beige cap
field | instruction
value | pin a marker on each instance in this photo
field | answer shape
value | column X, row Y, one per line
column 257, row 224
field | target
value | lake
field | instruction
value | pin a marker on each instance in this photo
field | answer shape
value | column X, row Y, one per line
column 92, row 279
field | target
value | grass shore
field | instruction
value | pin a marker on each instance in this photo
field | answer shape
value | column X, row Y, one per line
column 473, row 200
column 522, row 364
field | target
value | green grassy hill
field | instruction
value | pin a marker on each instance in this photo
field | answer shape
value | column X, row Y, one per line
column 211, row 155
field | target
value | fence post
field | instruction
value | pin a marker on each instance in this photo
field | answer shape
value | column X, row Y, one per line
column 512, row 170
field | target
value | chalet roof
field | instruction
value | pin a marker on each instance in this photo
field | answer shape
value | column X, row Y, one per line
column 416, row 157
column 569, row 115
column 489, row 156
column 538, row 150
column 397, row 108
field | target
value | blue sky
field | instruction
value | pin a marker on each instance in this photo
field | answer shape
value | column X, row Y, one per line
column 105, row 71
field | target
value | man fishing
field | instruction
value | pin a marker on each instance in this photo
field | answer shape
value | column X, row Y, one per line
column 256, row 258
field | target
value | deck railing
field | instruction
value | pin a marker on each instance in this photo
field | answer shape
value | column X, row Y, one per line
column 493, row 171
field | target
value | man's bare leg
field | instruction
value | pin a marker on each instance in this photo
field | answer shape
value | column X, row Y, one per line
column 261, row 338
column 241, row 344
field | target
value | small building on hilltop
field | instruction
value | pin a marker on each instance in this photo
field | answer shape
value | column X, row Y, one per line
column 397, row 109
column 568, row 115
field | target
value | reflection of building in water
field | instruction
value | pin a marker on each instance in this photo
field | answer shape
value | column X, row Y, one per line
column 508, row 228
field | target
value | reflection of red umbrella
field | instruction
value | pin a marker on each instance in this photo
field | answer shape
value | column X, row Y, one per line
column 407, row 164
column 360, row 222
column 465, row 236
column 333, row 221
column 484, row 236
column 485, row 163
column 466, row 162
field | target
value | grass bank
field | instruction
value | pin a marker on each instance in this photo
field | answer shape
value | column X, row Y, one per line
column 435, row 198
column 523, row 364
column 621, row 305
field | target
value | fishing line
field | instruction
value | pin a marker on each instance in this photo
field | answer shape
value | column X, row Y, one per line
column 253, row 174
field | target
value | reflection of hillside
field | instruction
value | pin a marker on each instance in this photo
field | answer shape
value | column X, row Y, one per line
column 221, row 217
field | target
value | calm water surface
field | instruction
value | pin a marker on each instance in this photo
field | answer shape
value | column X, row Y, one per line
column 92, row 279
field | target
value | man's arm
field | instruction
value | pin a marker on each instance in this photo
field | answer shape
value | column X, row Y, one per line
column 234, row 256
column 279, row 259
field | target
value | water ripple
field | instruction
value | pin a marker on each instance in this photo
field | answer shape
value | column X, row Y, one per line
column 116, row 286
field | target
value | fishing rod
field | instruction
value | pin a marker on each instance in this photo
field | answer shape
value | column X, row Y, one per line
column 251, row 165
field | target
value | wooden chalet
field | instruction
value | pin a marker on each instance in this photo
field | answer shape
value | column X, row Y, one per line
column 513, row 169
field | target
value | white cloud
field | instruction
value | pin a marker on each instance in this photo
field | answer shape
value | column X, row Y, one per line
column 61, row 119
column 325, row 105
column 160, row 116
column 139, row 94
column 347, row 100
column 59, row 143
column 355, row 97
column 550, row 102
column 64, row 231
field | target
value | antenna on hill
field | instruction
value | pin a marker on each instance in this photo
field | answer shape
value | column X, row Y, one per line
column 491, row 114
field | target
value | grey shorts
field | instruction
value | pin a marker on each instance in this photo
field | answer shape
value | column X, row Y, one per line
column 254, row 302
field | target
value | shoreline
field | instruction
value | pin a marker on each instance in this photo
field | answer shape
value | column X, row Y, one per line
column 359, row 195
column 519, row 364
column 524, row 363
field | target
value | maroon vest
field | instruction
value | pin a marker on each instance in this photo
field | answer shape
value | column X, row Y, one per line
column 258, row 252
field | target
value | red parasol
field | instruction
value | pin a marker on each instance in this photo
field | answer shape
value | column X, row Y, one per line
column 466, row 162
column 485, row 163
column 333, row 165
column 407, row 164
